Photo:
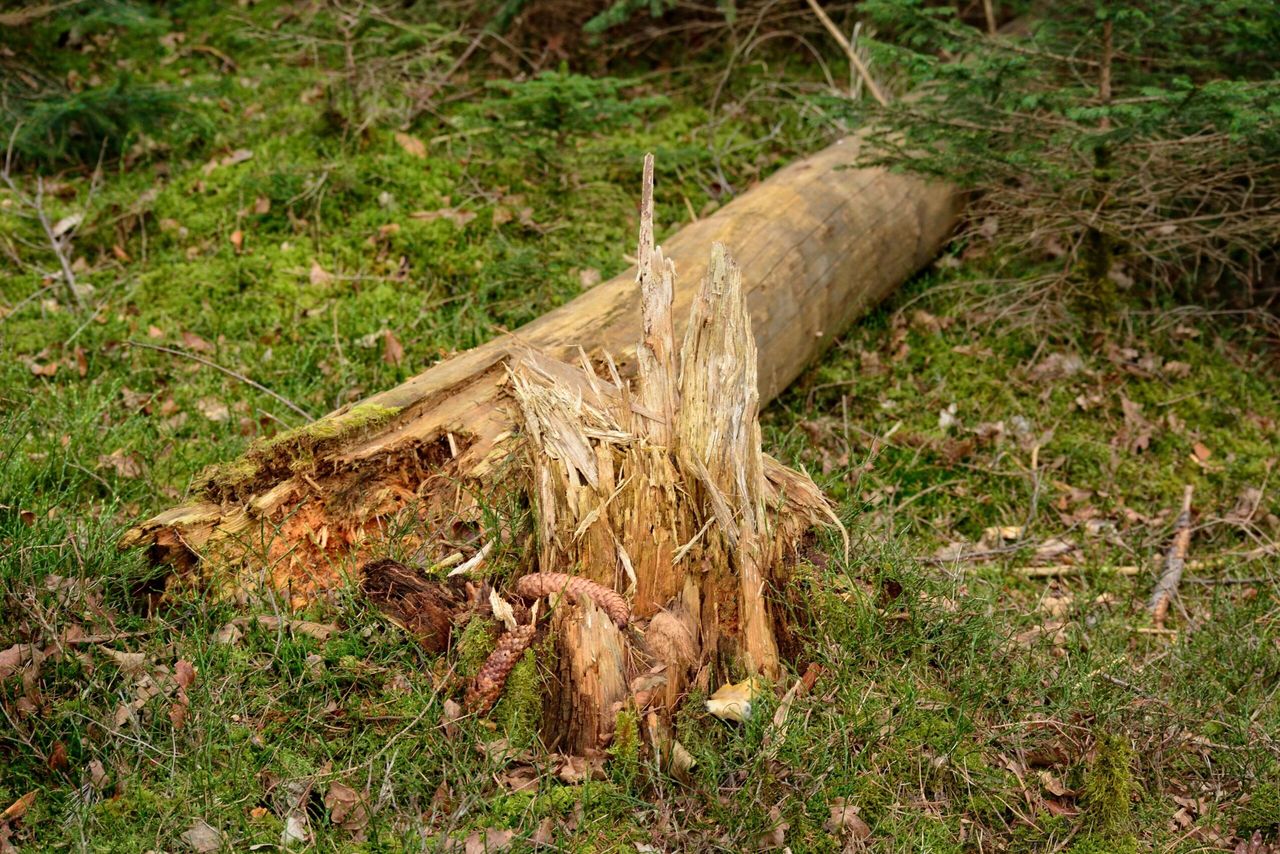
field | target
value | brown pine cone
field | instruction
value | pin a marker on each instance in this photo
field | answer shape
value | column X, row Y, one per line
column 487, row 687
column 537, row 584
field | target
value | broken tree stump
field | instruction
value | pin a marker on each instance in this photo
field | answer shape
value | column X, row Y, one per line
column 821, row 242
column 659, row 488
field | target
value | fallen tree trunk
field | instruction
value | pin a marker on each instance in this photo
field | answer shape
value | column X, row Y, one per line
column 820, row 243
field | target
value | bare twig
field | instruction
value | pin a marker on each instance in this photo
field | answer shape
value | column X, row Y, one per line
column 233, row 374
column 59, row 243
column 1175, row 562
column 854, row 59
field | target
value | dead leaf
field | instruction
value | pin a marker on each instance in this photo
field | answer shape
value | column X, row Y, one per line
column 319, row 631
column 13, row 658
column 1200, row 453
column 347, row 808
column 412, row 145
column 319, row 275
column 184, row 673
column 776, row 837
column 195, row 342
column 130, row 663
column 732, row 701
column 262, row 205
column 845, row 820
column 296, row 830
column 237, row 240
column 82, row 362
column 1051, row 784
column 519, row 778
column 213, row 409
column 492, row 840
column 457, row 216
column 66, row 224
column 588, row 278
column 203, row 837
column 502, row 215
column 58, row 757
column 1057, row 366
column 240, row 155
column 125, row 465
column 392, row 349
column 178, row 712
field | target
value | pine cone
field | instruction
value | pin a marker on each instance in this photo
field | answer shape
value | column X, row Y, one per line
column 537, row 584
column 487, row 687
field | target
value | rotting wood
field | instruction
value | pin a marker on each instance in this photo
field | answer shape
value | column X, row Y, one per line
column 622, row 477
column 820, row 242
column 1175, row 562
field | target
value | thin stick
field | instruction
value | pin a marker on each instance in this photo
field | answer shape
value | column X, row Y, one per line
column 1175, row 562
column 854, row 59
column 989, row 9
column 202, row 360
column 37, row 205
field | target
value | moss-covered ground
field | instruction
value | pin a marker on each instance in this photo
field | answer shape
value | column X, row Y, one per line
column 326, row 229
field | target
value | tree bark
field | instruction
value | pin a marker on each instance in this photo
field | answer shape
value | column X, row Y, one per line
column 819, row 243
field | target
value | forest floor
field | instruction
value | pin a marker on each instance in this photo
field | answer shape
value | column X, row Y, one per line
column 991, row 677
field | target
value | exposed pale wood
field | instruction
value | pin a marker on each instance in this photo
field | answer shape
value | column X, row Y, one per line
column 665, row 490
column 820, row 242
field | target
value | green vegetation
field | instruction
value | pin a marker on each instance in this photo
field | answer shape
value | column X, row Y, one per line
column 310, row 220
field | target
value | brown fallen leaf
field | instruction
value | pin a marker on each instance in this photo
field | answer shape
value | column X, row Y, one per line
column 845, row 821
column 491, row 840
column 457, row 216
column 319, row 631
column 193, row 341
column 125, row 465
column 319, row 275
column 213, row 409
column 57, row 760
column 262, row 205
column 202, row 837
column 392, row 349
column 348, row 808
column 13, row 658
column 184, row 673
column 412, row 145
column 237, row 240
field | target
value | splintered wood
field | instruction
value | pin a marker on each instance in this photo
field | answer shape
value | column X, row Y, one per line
column 661, row 491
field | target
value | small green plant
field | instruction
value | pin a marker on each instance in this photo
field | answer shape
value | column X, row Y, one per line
column 1108, row 794
column 542, row 113
column 519, row 711
column 624, row 752
column 1130, row 143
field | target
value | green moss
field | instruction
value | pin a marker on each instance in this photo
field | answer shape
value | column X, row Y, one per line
column 1108, row 792
column 624, row 752
column 296, row 448
column 519, row 712
column 1262, row 813
column 476, row 641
